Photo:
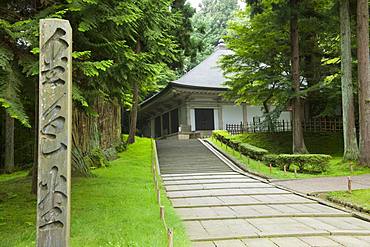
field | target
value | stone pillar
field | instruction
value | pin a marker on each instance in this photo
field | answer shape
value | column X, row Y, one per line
column 55, row 140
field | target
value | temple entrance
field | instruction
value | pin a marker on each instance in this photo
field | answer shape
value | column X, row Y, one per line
column 204, row 119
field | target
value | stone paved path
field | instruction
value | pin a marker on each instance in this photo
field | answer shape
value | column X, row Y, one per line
column 313, row 185
column 222, row 206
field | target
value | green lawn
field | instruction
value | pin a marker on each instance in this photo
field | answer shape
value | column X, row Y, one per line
column 281, row 142
column 336, row 168
column 116, row 208
column 357, row 197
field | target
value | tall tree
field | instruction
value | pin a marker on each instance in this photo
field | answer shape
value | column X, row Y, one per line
column 363, row 79
column 298, row 139
column 351, row 151
column 9, row 143
column 209, row 24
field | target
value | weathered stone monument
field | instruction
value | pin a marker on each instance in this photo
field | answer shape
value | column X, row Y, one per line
column 54, row 157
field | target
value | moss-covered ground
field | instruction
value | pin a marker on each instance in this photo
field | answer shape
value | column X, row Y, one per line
column 357, row 197
column 115, row 208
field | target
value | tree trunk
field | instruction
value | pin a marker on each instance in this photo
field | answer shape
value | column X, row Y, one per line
column 363, row 77
column 36, row 142
column 135, row 104
column 9, row 143
column 133, row 114
column 298, row 140
column 351, row 151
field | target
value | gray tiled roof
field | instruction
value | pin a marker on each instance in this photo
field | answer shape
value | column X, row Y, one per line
column 208, row 73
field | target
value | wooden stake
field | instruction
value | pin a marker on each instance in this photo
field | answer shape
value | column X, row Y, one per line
column 349, row 184
column 161, row 212
column 170, row 237
column 270, row 168
column 295, row 172
column 159, row 197
column 285, row 169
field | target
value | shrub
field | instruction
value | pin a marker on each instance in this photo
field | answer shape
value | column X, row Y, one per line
column 244, row 148
column 304, row 162
column 252, row 151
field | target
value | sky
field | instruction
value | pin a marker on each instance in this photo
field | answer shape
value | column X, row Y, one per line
column 195, row 3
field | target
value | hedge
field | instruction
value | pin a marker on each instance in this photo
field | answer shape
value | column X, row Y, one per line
column 305, row 162
column 245, row 148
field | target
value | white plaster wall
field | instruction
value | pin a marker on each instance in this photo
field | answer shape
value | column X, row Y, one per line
column 215, row 118
column 286, row 116
column 231, row 114
column 254, row 111
column 192, row 119
column 152, row 128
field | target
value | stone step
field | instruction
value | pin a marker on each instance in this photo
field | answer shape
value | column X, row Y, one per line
column 259, row 211
column 309, row 241
column 239, row 200
column 204, row 230
column 201, row 174
column 191, row 187
column 225, row 192
column 203, row 177
column 210, row 181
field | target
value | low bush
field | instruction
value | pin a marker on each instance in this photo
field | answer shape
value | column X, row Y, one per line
column 252, row 151
column 245, row 148
column 304, row 162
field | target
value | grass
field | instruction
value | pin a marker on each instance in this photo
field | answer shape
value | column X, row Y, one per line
column 336, row 168
column 116, row 208
column 281, row 142
column 357, row 197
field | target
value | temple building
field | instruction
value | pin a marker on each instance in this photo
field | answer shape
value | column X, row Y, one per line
column 193, row 106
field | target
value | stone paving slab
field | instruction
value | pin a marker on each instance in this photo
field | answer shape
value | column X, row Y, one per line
column 226, row 192
column 217, row 186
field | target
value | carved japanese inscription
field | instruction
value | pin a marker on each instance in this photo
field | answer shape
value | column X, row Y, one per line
column 54, row 157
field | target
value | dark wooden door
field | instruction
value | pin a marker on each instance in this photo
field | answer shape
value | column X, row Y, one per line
column 204, row 119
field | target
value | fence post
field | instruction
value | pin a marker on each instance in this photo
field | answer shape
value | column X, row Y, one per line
column 283, row 126
column 241, row 127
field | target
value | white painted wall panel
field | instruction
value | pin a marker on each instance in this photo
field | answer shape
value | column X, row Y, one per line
column 215, row 118
column 232, row 114
column 254, row 111
column 192, row 119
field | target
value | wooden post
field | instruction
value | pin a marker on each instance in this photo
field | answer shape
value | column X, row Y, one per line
column 161, row 212
column 159, row 197
column 170, row 237
column 285, row 169
column 295, row 172
column 270, row 168
column 55, row 138
column 349, row 184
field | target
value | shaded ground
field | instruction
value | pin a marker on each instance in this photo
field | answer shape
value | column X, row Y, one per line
column 227, row 208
